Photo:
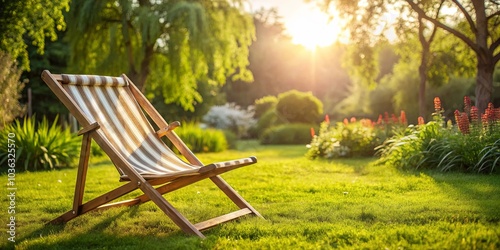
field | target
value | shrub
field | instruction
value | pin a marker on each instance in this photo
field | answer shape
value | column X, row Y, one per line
column 287, row 134
column 231, row 117
column 231, row 138
column 357, row 138
column 10, row 89
column 299, row 107
column 264, row 104
column 201, row 140
column 40, row 146
column 267, row 120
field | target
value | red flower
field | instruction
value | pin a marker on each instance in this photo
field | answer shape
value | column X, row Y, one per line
column 403, row 117
column 386, row 118
column 474, row 114
column 484, row 120
column 467, row 104
column 437, row 104
column 462, row 121
column 327, row 119
column 379, row 121
column 395, row 120
column 490, row 112
column 353, row 119
column 346, row 121
column 421, row 120
column 312, row 132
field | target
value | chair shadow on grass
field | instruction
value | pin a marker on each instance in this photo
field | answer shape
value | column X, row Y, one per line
column 99, row 236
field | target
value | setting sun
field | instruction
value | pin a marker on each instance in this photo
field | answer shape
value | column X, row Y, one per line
column 311, row 28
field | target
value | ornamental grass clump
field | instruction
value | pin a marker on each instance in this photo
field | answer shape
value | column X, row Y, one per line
column 40, row 146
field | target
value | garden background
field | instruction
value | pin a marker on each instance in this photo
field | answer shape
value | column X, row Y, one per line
column 407, row 127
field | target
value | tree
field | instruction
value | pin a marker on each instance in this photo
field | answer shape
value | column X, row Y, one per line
column 31, row 21
column 481, row 32
column 483, row 37
column 163, row 46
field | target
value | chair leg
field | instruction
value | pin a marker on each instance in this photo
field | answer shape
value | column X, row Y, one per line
column 80, row 182
column 82, row 173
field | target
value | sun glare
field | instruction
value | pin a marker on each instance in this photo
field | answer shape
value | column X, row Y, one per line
column 312, row 29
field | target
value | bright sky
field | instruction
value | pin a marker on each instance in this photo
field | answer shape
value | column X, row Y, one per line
column 304, row 22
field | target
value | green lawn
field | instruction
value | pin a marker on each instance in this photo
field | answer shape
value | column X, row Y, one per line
column 350, row 203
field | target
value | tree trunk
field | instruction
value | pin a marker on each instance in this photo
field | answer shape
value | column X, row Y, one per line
column 485, row 62
column 422, row 71
column 484, row 84
column 140, row 78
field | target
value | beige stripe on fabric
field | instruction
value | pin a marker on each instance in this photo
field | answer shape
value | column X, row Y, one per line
column 92, row 80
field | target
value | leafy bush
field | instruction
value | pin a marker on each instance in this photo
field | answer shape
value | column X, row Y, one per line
column 231, row 117
column 299, row 107
column 231, row 138
column 40, row 146
column 357, row 138
column 287, row 134
column 264, row 104
column 202, row 140
column 269, row 119
column 10, row 89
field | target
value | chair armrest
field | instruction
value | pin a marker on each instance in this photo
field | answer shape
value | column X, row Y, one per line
column 89, row 128
column 170, row 127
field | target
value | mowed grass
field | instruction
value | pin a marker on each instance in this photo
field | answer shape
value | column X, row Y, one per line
column 349, row 204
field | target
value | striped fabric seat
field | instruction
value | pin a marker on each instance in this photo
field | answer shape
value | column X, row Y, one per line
column 108, row 101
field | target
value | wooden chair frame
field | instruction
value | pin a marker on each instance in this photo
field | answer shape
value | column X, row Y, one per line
column 150, row 193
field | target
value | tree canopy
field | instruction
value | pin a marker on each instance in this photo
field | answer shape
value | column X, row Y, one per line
column 163, row 46
column 29, row 22
column 475, row 22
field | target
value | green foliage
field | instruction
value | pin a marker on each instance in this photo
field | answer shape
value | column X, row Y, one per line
column 269, row 119
column 161, row 44
column 292, row 133
column 25, row 22
column 299, row 107
column 40, row 146
column 202, row 140
column 10, row 89
column 55, row 59
column 353, row 139
column 264, row 104
column 446, row 148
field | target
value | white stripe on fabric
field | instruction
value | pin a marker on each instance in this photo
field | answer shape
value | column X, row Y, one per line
column 139, row 156
column 154, row 141
column 106, row 124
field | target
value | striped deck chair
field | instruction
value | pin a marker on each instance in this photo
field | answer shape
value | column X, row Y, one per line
column 113, row 112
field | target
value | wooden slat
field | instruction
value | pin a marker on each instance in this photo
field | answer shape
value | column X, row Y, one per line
column 107, row 197
column 82, row 173
column 94, row 203
column 221, row 219
column 125, row 203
